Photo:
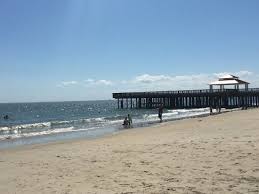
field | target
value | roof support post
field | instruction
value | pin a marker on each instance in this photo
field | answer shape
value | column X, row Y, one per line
column 246, row 87
column 211, row 88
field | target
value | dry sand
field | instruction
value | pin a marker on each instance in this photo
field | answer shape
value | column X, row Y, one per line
column 215, row 154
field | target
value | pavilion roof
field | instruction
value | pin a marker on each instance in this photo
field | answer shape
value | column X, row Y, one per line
column 224, row 77
column 228, row 80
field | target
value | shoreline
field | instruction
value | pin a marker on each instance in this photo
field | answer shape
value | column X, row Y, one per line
column 213, row 154
column 85, row 137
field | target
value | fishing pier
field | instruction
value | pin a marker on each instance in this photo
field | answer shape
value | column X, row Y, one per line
column 221, row 97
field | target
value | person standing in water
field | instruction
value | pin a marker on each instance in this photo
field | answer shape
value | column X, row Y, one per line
column 129, row 120
column 160, row 113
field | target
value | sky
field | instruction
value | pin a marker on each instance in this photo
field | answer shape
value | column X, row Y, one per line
column 68, row 50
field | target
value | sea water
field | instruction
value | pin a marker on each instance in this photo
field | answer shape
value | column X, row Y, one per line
column 30, row 123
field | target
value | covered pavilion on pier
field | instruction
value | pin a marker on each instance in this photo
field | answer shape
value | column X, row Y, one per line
column 229, row 80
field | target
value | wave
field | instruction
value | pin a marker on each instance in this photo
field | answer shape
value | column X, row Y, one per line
column 46, row 128
column 155, row 116
column 189, row 110
column 22, row 127
column 47, row 132
column 52, row 124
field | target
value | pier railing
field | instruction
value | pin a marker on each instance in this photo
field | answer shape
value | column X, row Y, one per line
column 227, row 98
column 202, row 91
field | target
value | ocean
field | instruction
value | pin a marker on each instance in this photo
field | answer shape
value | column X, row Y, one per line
column 31, row 123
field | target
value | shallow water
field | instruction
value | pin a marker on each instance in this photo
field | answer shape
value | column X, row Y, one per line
column 31, row 123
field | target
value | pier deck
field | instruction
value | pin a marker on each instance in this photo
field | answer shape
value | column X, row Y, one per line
column 184, row 99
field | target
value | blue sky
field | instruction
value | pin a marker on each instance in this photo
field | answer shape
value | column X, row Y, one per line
column 57, row 50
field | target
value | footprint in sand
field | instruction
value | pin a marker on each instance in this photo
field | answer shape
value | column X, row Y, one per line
column 145, row 162
column 128, row 164
column 207, row 167
column 256, row 170
column 171, row 180
column 242, row 171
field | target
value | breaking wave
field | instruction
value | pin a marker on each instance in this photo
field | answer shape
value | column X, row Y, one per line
column 85, row 124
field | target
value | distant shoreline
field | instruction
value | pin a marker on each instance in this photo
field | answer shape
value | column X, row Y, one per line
column 55, row 101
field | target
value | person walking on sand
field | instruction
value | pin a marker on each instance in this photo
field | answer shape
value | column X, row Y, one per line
column 160, row 113
column 129, row 120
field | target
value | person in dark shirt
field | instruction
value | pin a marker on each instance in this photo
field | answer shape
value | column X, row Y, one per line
column 129, row 120
column 126, row 122
column 160, row 113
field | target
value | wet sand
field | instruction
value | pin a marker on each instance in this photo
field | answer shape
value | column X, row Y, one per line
column 214, row 154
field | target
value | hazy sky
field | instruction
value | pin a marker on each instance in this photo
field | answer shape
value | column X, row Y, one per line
column 56, row 50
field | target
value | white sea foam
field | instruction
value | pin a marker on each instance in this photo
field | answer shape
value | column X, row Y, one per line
column 47, row 132
column 181, row 111
column 178, row 113
column 60, row 122
column 4, row 128
column 89, row 120
column 52, row 124
column 25, row 126
column 34, row 125
column 149, row 116
column 116, row 121
column 172, row 114
column 99, row 119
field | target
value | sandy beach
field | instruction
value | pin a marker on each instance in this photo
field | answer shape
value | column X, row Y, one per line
column 214, row 154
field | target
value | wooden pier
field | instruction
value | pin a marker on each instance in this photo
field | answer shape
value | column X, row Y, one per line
column 187, row 99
